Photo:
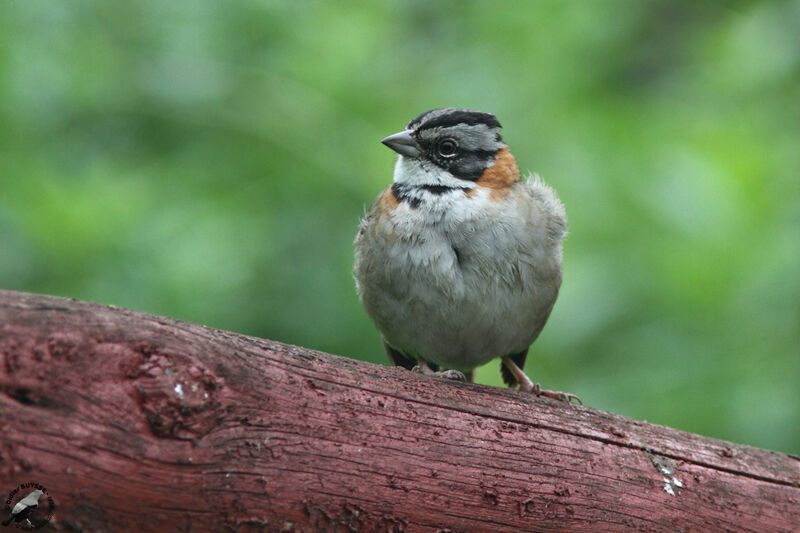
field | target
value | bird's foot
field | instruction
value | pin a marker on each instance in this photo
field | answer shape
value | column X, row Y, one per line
column 535, row 388
column 526, row 385
column 424, row 369
column 451, row 374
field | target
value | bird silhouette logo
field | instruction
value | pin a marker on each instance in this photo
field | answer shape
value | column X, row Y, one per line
column 28, row 507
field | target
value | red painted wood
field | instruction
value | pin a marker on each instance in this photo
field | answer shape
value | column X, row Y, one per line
column 142, row 423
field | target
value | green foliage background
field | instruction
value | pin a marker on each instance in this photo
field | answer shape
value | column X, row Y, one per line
column 210, row 161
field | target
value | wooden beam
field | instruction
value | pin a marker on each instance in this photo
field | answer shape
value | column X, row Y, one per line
column 142, row 423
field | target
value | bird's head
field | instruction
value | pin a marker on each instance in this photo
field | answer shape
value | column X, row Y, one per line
column 450, row 147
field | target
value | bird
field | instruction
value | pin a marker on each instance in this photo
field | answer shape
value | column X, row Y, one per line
column 458, row 261
column 24, row 508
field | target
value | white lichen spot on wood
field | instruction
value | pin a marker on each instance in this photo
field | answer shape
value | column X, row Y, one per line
column 667, row 467
column 669, row 483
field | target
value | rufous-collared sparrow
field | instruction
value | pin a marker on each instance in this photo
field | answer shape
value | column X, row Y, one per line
column 459, row 261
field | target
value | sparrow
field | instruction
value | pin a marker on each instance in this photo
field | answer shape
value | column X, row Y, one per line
column 458, row 262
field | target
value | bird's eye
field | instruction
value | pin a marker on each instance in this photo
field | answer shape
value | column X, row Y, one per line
column 447, row 148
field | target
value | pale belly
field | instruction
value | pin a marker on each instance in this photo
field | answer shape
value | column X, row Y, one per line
column 457, row 309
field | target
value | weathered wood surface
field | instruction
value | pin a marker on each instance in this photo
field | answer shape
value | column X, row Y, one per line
column 141, row 423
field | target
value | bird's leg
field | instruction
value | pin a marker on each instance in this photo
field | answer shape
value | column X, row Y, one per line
column 526, row 385
column 423, row 368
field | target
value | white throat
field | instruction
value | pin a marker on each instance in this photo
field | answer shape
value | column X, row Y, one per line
column 418, row 172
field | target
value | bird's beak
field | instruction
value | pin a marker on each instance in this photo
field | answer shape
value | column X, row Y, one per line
column 403, row 143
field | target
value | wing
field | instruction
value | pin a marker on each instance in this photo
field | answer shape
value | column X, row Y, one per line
column 398, row 358
column 546, row 226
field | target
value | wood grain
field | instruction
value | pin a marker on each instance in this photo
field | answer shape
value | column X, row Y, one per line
column 135, row 422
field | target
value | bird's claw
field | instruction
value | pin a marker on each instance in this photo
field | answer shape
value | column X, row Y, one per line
column 447, row 374
column 565, row 397
column 451, row 374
